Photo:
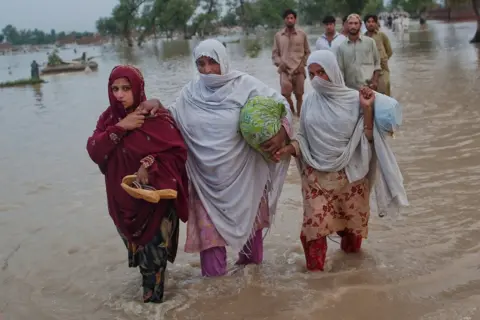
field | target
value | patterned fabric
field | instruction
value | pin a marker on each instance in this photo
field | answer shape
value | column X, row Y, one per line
column 332, row 204
column 260, row 120
column 115, row 139
column 201, row 232
column 152, row 258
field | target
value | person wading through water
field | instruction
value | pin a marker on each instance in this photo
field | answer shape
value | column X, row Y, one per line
column 331, row 39
column 358, row 57
column 384, row 49
column 290, row 53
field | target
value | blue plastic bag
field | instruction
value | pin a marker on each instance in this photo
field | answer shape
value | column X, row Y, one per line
column 388, row 114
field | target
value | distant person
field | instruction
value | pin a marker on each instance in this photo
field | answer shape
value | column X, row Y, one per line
column 345, row 26
column 290, row 53
column 423, row 21
column 358, row 57
column 331, row 39
column 34, row 72
column 384, row 50
column 390, row 21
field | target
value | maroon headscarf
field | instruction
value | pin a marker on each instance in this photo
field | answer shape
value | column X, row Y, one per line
column 135, row 78
column 158, row 138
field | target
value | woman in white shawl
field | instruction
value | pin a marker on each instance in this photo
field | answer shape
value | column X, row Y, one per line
column 334, row 152
column 233, row 190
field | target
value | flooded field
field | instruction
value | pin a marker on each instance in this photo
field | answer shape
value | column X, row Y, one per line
column 61, row 257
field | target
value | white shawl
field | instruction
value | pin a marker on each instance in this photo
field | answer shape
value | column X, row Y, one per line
column 331, row 137
column 228, row 175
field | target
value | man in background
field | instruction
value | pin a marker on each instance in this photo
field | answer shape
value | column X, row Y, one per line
column 358, row 57
column 290, row 53
column 331, row 39
column 384, row 50
column 345, row 26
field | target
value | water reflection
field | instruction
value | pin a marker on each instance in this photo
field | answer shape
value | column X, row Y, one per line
column 38, row 94
column 175, row 48
column 70, row 264
column 128, row 55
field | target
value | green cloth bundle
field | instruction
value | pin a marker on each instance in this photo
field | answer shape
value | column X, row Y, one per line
column 260, row 120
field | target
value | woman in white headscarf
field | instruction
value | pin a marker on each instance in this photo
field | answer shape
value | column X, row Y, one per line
column 338, row 149
column 234, row 190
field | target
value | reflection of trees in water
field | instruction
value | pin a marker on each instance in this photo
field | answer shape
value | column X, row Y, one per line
column 175, row 48
column 423, row 40
column 253, row 47
column 250, row 46
column 450, row 38
column 128, row 55
column 162, row 50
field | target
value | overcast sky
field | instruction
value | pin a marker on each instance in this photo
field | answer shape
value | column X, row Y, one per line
column 61, row 15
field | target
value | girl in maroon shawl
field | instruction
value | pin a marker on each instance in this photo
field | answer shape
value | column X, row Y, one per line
column 125, row 142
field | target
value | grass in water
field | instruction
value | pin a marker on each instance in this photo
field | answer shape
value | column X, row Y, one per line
column 21, row 82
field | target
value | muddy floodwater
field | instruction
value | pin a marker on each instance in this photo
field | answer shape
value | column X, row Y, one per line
column 61, row 258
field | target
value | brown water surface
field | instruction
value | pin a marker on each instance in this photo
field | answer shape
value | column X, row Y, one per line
column 60, row 256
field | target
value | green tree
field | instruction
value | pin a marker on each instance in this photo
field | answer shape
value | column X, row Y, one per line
column 125, row 16
column 35, row 36
column 176, row 14
column 272, row 10
column 373, row 7
column 11, row 34
column 260, row 12
column 230, row 19
column 2, row 37
column 107, row 26
column 205, row 22
column 354, row 6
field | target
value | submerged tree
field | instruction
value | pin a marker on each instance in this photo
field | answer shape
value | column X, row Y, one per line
column 107, row 27
column 476, row 5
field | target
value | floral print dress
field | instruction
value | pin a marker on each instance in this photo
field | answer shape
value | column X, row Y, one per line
column 331, row 205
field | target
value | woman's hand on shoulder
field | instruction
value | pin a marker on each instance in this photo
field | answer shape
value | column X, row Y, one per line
column 151, row 106
column 133, row 121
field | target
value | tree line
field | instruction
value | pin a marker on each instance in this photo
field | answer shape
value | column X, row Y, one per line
column 139, row 19
column 36, row 37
